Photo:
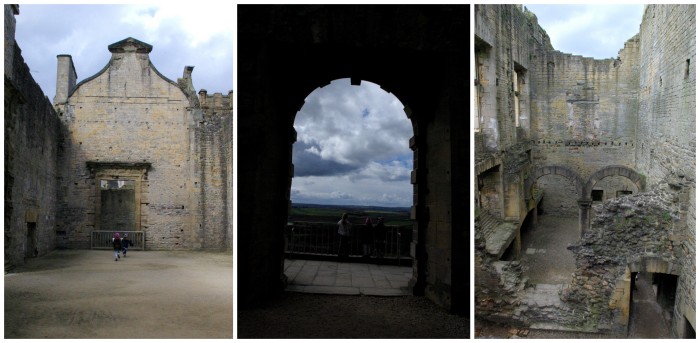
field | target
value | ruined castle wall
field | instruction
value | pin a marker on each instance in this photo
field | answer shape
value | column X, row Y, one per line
column 31, row 132
column 584, row 113
column 130, row 114
column 666, row 126
column 506, row 40
column 214, row 150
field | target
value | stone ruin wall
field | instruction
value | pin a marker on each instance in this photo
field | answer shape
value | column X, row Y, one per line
column 666, row 130
column 183, row 200
column 626, row 231
column 116, row 117
column 31, row 133
column 47, row 149
column 603, row 131
column 583, row 117
column 214, row 141
column 498, row 134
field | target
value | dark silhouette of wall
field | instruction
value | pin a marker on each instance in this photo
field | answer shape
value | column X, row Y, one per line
column 418, row 53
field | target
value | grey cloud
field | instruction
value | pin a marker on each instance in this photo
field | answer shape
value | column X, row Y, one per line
column 308, row 164
column 85, row 31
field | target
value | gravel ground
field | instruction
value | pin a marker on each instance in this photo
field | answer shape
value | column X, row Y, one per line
column 301, row 315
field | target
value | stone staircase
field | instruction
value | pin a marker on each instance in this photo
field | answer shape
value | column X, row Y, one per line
column 497, row 233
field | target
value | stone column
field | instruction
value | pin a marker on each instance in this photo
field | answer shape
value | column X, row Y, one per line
column 584, row 215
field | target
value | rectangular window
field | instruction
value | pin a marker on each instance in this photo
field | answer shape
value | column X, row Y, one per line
column 516, row 100
column 477, row 94
column 597, row 195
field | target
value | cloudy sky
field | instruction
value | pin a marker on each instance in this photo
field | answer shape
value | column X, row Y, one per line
column 595, row 30
column 352, row 147
column 181, row 34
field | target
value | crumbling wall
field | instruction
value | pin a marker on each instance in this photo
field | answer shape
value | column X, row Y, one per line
column 31, row 133
column 130, row 122
column 636, row 111
column 213, row 137
column 666, row 134
column 624, row 230
column 584, row 111
column 496, row 284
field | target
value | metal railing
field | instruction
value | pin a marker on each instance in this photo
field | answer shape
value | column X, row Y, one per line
column 323, row 239
column 103, row 239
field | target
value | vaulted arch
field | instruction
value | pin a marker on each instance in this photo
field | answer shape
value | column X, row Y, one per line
column 629, row 173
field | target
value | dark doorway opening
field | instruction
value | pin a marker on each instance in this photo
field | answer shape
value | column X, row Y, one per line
column 117, row 207
column 652, row 299
column 689, row 332
column 31, row 249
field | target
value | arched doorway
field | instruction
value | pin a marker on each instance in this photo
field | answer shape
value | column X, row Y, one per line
column 285, row 52
column 352, row 157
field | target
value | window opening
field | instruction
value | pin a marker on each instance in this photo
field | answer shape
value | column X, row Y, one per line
column 597, row 195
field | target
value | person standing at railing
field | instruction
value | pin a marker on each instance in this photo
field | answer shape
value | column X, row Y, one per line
column 366, row 238
column 379, row 238
column 344, row 228
column 117, row 244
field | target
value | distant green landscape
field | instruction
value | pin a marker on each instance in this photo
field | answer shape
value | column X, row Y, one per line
column 398, row 216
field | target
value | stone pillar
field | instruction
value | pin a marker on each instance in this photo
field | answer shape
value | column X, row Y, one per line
column 584, row 215
column 65, row 79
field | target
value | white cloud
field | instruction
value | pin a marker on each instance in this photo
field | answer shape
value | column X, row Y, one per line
column 181, row 36
column 352, row 147
column 197, row 24
column 595, row 30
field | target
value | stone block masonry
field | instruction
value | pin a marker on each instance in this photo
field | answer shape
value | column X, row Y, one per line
column 596, row 132
column 125, row 149
column 31, row 135
column 129, row 122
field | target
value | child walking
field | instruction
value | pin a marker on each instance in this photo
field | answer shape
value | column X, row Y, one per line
column 117, row 244
column 126, row 242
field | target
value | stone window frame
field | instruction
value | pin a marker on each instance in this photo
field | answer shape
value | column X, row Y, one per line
column 138, row 172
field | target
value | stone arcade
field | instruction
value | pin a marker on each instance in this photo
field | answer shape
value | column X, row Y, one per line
column 610, row 143
column 126, row 149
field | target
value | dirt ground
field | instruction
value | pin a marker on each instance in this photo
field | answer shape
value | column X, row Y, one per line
column 149, row 294
column 300, row 315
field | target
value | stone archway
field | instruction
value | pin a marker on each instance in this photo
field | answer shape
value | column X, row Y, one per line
column 629, row 173
column 585, row 201
column 623, row 287
column 583, row 204
column 557, row 170
column 285, row 52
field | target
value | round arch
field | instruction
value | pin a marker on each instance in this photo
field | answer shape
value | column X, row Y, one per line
column 281, row 63
column 623, row 171
column 556, row 170
column 620, row 301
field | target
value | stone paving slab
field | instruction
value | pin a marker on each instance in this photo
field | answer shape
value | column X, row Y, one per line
column 327, row 277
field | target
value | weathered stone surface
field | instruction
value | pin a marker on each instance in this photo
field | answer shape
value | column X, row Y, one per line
column 601, row 133
column 126, row 123
column 31, row 176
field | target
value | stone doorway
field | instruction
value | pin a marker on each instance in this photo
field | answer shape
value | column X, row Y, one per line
column 651, row 305
column 31, row 242
column 117, row 205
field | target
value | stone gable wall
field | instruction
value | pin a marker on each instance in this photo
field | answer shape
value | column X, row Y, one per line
column 128, row 114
